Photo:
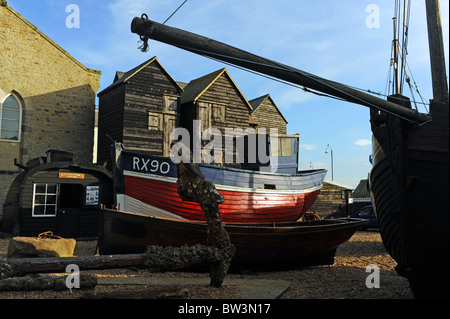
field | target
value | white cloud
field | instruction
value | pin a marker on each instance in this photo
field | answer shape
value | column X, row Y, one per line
column 363, row 142
column 294, row 96
column 308, row 147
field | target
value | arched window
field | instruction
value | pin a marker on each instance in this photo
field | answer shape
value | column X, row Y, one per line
column 10, row 115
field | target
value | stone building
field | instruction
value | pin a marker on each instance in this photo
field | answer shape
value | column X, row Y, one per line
column 47, row 98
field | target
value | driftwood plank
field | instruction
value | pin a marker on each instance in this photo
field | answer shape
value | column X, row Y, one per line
column 166, row 258
column 39, row 283
column 22, row 266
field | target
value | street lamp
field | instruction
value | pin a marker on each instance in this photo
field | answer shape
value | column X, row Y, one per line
column 326, row 152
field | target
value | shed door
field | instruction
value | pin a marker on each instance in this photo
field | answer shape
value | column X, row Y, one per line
column 170, row 123
column 70, row 206
column 204, row 115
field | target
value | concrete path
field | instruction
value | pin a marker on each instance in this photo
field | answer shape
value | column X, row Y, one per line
column 244, row 289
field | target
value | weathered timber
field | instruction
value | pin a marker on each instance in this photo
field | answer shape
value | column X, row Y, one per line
column 45, row 282
column 437, row 56
column 165, row 258
column 217, row 102
column 139, row 109
column 207, row 47
column 267, row 114
column 23, row 266
column 193, row 186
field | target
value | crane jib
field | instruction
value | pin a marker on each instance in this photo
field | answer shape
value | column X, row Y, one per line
column 148, row 29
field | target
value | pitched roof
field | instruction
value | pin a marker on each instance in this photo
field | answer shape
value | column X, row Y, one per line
column 251, row 120
column 182, row 84
column 361, row 191
column 337, row 184
column 255, row 103
column 194, row 90
column 119, row 74
column 122, row 77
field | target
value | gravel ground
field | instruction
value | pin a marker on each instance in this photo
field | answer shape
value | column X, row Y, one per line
column 345, row 279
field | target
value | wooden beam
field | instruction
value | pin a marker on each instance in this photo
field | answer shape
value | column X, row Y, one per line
column 437, row 54
column 165, row 258
column 217, row 50
column 22, row 266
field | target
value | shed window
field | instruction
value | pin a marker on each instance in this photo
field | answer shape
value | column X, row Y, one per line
column 171, row 104
column 219, row 113
column 10, row 115
column 154, row 121
column 44, row 200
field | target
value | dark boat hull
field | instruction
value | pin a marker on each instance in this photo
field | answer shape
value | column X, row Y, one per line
column 258, row 246
column 409, row 190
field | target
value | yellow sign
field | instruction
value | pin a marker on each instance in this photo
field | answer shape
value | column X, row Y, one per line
column 71, row 175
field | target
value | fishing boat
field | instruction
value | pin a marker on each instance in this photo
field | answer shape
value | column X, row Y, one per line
column 258, row 245
column 147, row 184
column 410, row 177
column 410, row 174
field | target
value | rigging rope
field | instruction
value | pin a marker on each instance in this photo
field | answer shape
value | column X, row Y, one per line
column 280, row 66
column 293, row 70
column 400, row 43
column 175, row 11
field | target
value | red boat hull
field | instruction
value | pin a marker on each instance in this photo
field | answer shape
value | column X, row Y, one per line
column 240, row 205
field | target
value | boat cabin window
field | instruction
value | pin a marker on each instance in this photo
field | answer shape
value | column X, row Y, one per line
column 282, row 148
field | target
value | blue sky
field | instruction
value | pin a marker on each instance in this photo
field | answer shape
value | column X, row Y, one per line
column 329, row 38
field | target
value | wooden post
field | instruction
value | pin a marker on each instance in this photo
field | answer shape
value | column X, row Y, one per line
column 437, row 54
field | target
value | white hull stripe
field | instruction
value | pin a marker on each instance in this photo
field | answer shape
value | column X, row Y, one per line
column 134, row 205
column 227, row 187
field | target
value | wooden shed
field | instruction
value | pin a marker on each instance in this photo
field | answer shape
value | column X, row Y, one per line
column 217, row 102
column 361, row 196
column 55, row 193
column 139, row 109
column 267, row 114
column 333, row 200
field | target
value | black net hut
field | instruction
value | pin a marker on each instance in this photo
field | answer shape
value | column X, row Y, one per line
column 56, row 193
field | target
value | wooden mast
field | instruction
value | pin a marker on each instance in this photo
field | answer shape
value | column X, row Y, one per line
column 396, row 84
column 436, row 44
column 214, row 49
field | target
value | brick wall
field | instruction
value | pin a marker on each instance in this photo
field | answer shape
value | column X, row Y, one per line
column 57, row 93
